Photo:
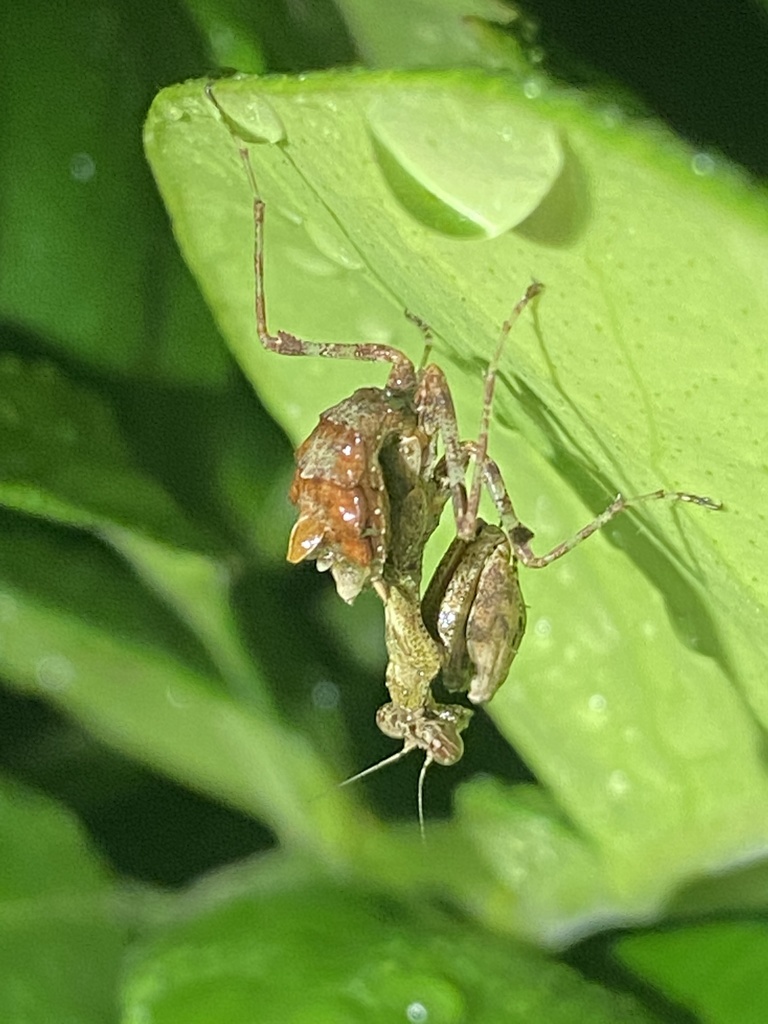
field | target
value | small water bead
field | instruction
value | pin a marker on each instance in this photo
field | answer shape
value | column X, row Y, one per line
column 543, row 628
column 325, row 695
column 612, row 115
column 82, row 167
column 173, row 113
column 334, row 246
column 178, row 697
column 221, row 37
column 55, row 673
column 618, row 784
column 597, row 703
column 417, row 1013
column 703, row 165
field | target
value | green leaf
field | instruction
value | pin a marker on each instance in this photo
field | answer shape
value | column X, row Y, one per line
column 62, row 946
column 437, row 33
column 361, row 957
column 225, row 24
column 198, row 590
column 715, row 970
column 638, row 695
column 63, row 456
column 87, row 263
column 77, row 630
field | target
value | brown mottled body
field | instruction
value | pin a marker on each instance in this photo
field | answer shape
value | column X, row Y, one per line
column 341, row 492
column 367, row 488
column 474, row 610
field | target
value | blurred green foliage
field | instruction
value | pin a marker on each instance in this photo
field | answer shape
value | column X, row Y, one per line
column 184, row 700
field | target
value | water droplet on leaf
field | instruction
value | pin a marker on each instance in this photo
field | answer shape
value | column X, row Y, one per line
column 703, row 165
column 82, row 167
column 618, row 784
column 251, row 117
column 333, row 245
column 417, row 1013
column 55, row 672
column 325, row 695
column 462, row 163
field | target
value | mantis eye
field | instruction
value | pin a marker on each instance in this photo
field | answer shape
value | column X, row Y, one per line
column 436, row 730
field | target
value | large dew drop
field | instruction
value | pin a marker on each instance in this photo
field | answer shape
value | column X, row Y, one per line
column 251, row 117
column 461, row 163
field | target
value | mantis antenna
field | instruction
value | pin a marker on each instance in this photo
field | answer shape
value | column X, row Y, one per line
column 407, row 748
column 420, row 790
column 379, row 764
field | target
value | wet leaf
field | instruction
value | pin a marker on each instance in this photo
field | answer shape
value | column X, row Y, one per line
column 713, row 970
column 637, row 695
column 361, row 957
column 432, row 33
column 63, row 457
column 78, row 630
column 88, row 269
column 63, row 942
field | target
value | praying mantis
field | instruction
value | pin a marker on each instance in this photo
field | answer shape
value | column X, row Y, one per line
column 371, row 483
